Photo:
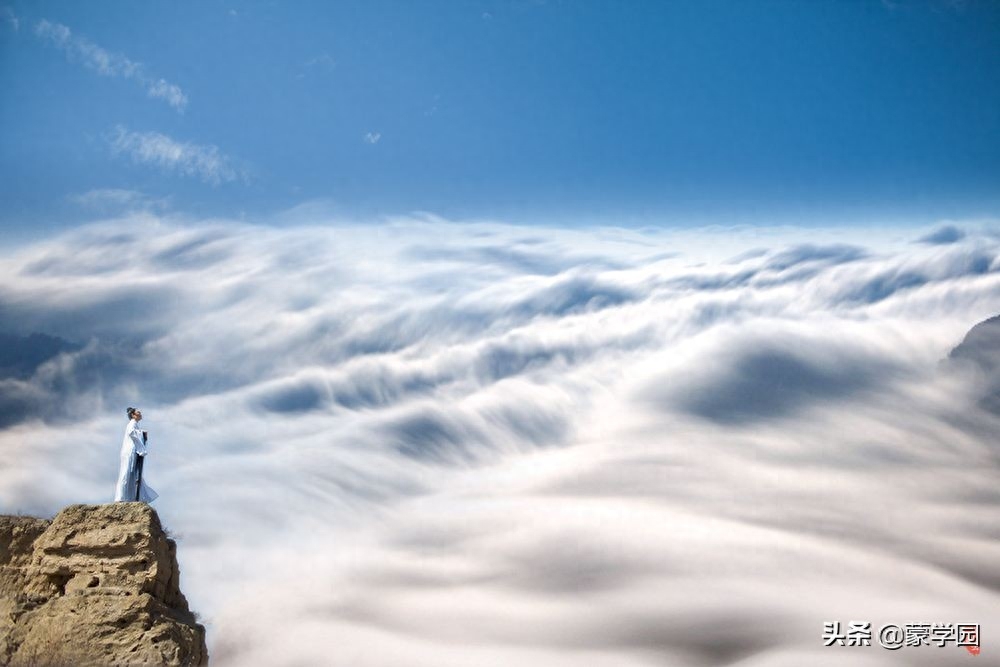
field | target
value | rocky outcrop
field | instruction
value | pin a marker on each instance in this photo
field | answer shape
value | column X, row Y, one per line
column 980, row 351
column 981, row 346
column 96, row 585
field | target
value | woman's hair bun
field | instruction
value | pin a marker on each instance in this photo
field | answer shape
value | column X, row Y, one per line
column 129, row 411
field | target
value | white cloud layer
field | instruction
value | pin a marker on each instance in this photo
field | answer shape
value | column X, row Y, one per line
column 439, row 444
column 106, row 63
column 205, row 162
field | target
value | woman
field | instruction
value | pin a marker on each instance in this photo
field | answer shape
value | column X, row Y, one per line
column 129, row 471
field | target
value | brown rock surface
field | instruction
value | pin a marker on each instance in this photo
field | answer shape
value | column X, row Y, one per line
column 96, row 585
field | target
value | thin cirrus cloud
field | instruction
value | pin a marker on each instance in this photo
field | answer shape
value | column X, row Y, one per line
column 110, row 64
column 534, row 446
column 120, row 199
column 7, row 15
column 203, row 161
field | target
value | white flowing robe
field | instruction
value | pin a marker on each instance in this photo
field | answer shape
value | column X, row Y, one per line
column 132, row 444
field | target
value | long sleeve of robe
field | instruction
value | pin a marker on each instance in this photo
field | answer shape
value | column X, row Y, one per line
column 132, row 446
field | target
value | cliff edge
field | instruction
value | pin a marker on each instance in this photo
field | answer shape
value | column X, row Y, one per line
column 96, row 585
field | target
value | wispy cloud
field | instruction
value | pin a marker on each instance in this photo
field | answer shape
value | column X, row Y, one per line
column 7, row 15
column 106, row 199
column 168, row 92
column 206, row 162
column 109, row 64
column 372, row 137
column 323, row 60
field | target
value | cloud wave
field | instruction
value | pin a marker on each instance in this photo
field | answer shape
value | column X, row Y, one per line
column 431, row 443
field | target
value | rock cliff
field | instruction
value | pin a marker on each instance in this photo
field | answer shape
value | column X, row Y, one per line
column 980, row 350
column 96, row 585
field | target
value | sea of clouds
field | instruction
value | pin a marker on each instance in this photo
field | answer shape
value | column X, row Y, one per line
column 422, row 442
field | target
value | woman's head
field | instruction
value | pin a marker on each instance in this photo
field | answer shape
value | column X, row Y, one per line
column 133, row 413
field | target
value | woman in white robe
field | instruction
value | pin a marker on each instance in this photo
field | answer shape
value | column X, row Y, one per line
column 133, row 446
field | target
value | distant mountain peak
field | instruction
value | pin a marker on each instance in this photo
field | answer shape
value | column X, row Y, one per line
column 981, row 345
column 980, row 349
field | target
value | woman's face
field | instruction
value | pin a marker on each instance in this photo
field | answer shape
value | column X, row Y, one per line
column 137, row 415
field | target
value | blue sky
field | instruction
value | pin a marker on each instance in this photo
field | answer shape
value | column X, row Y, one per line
column 660, row 113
